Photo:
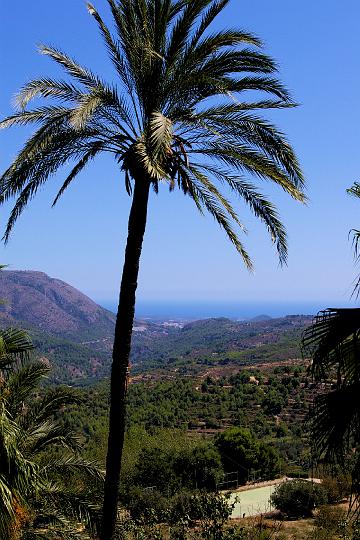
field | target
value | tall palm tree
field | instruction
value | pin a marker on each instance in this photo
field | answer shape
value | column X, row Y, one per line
column 178, row 114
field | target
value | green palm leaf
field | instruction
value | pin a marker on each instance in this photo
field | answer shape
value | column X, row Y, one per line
column 332, row 343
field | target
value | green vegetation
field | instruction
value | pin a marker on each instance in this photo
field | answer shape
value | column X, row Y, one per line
column 183, row 437
column 179, row 440
column 214, row 342
column 43, row 479
column 71, row 363
column 204, row 407
column 239, row 448
column 298, row 498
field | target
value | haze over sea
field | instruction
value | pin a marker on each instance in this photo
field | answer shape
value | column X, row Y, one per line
column 192, row 310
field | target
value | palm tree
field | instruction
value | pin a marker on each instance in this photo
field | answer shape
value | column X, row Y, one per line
column 177, row 115
column 332, row 343
column 355, row 192
column 43, row 481
column 15, row 471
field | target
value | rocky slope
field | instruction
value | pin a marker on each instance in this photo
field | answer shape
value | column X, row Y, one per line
column 51, row 305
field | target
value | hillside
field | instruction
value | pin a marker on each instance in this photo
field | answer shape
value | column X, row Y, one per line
column 74, row 334
column 220, row 341
column 51, row 305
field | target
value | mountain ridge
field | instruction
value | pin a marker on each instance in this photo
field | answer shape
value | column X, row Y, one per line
column 52, row 305
column 75, row 335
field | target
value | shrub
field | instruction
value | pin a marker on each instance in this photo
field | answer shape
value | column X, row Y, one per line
column 334, row 523
column 210, row 513
column 298, row 498
column 146, row 505
column 331, row 519
column 337, row 488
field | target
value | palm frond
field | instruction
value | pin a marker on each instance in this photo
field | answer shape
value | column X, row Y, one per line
column 48, row 406
column 74, row 463
column 269, row 85
column 354, row 190
column 78, row 506
column 77, row 169
column 208, row 17
column 335, row 419
column 332, row 341
column 204, row 180
column 35, row 116
column 232, row 124
column 160, row 135
column 20, row 385
column 17, row 474
column 29, row 172
column 54, row 525
column 85, row 110
column 47, row 88
column 15, row 346
column 49, row 433
column 113, row 48
column 73, row 68
column 215, row 207
column 259, row 205
column 247, row 159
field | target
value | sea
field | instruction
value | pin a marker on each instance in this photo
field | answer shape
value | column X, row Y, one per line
column 237, row 310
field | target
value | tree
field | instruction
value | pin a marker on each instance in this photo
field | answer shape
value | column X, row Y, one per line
column 241, row 451
column 200, row 467
column 355, row 192
column 43, row 481
column 333, row 343
column 298, row 498
column 178, row 115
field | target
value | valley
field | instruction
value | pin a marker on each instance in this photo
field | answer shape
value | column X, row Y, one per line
column 74, row 335
column 192, row 385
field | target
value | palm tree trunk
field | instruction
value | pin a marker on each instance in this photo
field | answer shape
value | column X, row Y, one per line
column 121, row 353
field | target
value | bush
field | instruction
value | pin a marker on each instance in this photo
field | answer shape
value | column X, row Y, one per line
column 337, row 488
column 298, row 498
column 331, row 519
column 208, row 512
column 257, row 529
column 334, row 523
column 146, row 505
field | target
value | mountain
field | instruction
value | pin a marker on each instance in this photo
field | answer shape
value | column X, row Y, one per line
column 220, row 341
column 52, row 306
column 261, row 317
column 74, row 334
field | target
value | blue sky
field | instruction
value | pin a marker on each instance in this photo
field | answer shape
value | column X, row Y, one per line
column 186, row 256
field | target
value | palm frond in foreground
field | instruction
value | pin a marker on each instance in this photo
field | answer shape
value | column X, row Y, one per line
column 43, row 482
column 333, row 344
